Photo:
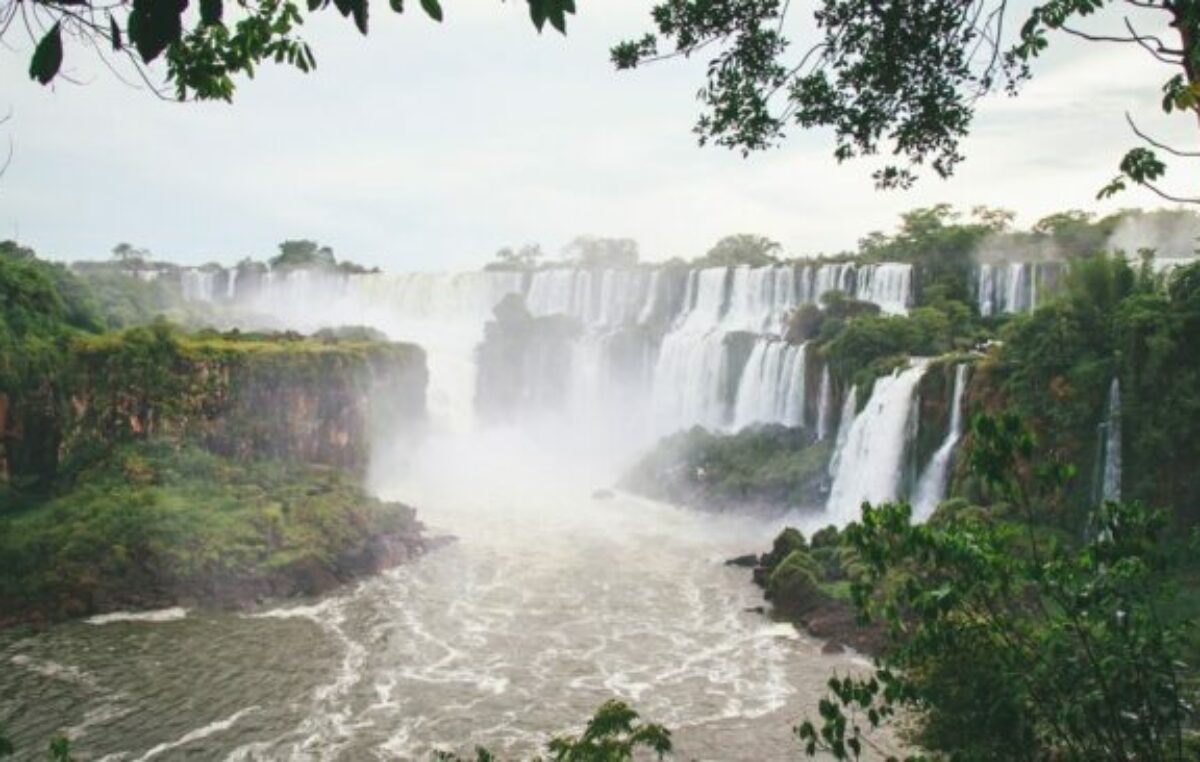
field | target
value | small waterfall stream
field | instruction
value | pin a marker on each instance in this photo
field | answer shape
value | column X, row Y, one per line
column 1110, row 486
column 870, row 465
column 931, row 488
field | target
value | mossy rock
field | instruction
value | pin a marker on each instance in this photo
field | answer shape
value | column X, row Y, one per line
column 794, row 585
column 788, row 541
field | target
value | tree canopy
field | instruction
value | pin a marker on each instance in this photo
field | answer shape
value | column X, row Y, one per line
column 741, row 249
column 904, row 78
column 204, row 50
column 591, row 251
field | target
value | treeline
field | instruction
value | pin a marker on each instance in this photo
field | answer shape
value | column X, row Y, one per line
column 943, row 243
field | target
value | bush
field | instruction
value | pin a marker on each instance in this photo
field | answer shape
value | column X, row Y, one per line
column 794, row 585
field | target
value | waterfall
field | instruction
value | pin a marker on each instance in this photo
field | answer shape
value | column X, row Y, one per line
column 1014, row 287
column 849, row 406
column 824, row 403
column 771, row 388
column 889, row 285
column 871, row 461
column 684, row 346
column 1111, row 484
column 198, row 285
column 931, row 488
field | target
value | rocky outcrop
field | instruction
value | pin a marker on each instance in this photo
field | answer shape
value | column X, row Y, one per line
column 806, row 584
column 283, row 397
column 524, row 362
column 766, row 469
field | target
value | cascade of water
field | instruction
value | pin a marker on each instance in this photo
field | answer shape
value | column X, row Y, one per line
column 824, row 403
column 1007, row 288
column 197, row 285
column 699, row 344
column 870, row 461
column 889, row 285
column 1111, row 486
column 931, row 488
column 771, row 389
column 849, row 406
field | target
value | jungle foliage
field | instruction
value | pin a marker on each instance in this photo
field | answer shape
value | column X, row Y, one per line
column 904, row 79
column 771, row 467
column 1010, row 640
column 146, row 522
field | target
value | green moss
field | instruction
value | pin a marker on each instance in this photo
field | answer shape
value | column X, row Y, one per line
column 794, row 584
column 158, row 518
column 769, row 466
column 788, row 541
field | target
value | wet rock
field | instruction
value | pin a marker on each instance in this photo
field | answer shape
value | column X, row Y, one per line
column 748, row 561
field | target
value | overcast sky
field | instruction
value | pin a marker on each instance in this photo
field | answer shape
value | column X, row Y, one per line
column 428, row 147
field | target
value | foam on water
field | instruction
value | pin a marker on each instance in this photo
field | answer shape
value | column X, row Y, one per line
column 172, row 614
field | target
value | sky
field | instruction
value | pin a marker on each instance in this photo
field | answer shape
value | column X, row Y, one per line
column 428, row 147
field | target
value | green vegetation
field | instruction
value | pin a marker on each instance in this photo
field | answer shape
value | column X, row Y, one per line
column 1011, row 640
column 1111, row 321
column 147, row 524
column 592, row 252
column 204, row 52
column 740, row 249
column 771, row 467
column 902, row 79
column 141, row 466
column 526, row 257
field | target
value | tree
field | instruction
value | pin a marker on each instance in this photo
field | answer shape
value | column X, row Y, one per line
column 590, row 251
column 523, row 258
column 1008, row 642
column 130, row 255
column 303, row 254
column 741, row 249
column 205, row 51
column 613, row 734
column 903, row 78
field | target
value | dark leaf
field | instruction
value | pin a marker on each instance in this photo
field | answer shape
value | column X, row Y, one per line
column 154, row 25
column 47, row 57
column 397, row 5
column 537, row 12
column 433, row 8
column 360, row 15
column 211, row 12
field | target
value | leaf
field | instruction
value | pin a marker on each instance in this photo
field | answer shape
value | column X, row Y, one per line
column 397, row 5
column 360, row 15
column 537, row 12
column 556, row 14
column 154, row 25
column 115, row 33
column 433, row 8
column 47, row 57
column 211, row 12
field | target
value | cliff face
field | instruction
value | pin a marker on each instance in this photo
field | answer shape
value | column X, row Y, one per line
column 523, row 362
column 294, row 399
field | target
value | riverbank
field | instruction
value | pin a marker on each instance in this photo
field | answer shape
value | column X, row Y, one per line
column 160, row 524
column 808, row 585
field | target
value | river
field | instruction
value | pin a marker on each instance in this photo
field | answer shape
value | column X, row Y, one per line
column 548, row 602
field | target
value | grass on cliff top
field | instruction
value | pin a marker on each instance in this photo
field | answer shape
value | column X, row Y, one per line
column 212, row 343
column 156, row 513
